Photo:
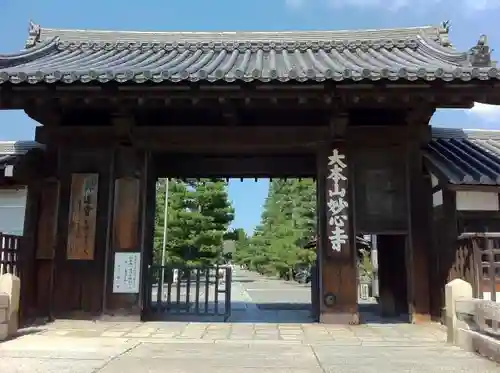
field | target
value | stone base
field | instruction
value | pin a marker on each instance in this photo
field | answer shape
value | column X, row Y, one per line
column 121, row 318
column 133, row 314
column 3, row 315
column 421, row 318
column 339, row 318
column 13, row 323
column 4, row 332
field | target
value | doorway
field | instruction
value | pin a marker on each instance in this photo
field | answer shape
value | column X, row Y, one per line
column 390, row 297
column 233, row 274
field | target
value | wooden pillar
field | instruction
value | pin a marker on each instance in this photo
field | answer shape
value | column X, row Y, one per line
column 336, row 243
column 37, row 169
column 27, row 252
column 130, row 232
column 419, row 222
column 46, row 233
column 79, row 258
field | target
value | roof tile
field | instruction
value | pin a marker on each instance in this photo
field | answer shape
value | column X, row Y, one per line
column 465, row 157
column 83, row 56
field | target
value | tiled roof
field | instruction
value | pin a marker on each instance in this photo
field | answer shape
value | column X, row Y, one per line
column 10, row 153
column 17, row 147
column 84, row 55
column 466, row 157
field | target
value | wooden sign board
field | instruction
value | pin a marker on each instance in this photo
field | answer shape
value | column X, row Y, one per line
column 82, row 217
column 126, row 275
column 337, row 204
column 126, row 214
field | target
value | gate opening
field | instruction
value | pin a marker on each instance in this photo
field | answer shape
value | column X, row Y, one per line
column 383, row 279
column 233, row 250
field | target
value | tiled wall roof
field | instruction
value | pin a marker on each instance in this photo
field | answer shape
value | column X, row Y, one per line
column 465, row 157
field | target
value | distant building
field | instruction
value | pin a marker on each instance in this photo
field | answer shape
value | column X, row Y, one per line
column 12, row 195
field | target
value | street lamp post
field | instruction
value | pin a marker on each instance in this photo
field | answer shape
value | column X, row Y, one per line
column 164, row 247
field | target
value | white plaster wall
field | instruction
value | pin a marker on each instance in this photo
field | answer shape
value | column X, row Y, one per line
column 479, row 201
column 12, row 207
column 437, row 198
column 434, row 180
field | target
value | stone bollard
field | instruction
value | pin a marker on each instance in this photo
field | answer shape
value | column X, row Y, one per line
column 10, row 285
column 457, row 329
column 4, row 321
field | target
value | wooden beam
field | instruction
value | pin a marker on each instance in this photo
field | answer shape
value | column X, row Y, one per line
column 277, row 166
column 474, row 187
column 191, row 139
column 386, row 95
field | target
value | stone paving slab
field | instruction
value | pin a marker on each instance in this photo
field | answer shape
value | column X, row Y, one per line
column 31, row 365
column 245, row 332
column 253, row 342
column 314, row 348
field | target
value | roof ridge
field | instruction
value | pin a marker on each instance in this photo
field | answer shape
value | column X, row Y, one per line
column 413, row 28
column 38, row 34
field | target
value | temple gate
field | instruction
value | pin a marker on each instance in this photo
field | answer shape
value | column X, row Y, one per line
column 120, row 109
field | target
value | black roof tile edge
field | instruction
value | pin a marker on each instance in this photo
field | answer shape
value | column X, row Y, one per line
column 464, row 157
column 460, row 133
column 19, row 147
column 402, row 74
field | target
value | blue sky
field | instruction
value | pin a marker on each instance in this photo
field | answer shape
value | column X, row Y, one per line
column 469, row 18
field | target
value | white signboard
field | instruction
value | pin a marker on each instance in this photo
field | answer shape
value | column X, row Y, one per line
column 126, row 276
column 337, row 201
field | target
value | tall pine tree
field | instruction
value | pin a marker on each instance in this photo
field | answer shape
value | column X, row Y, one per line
column 199, row 214
column 288, row 222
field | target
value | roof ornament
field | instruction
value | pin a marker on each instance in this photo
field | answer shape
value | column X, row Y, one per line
column 446, row 26
column 480, row 54
column 34, row 31
column 444, row 29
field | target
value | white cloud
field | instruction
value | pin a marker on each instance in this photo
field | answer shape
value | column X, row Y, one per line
column 488, row 113
column 396, row 5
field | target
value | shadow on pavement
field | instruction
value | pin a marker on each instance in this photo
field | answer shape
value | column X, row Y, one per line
column 371, row 314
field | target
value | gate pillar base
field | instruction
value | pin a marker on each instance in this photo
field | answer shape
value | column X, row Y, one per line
column 339, row 318
column 121, row 317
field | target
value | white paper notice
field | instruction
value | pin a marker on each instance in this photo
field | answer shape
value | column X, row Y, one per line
column 126, row 273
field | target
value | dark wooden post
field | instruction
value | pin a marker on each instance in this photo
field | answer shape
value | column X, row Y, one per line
column 336, row 242
column 419, row 220
column 129, row 233
column 27, row 254
column 79, row 260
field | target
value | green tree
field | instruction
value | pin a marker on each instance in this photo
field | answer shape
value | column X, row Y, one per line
column 288, row 222
column 199, row 214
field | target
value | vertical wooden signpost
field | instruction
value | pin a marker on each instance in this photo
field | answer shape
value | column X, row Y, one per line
column 337, row 213
column 339, row 287
column 82, row 217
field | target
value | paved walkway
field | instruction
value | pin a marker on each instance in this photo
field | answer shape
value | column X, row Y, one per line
column 236, row 347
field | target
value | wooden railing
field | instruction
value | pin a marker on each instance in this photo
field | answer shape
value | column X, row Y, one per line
column 481, row 265
column 479, row 315
column 9, row 253
column 472, row 323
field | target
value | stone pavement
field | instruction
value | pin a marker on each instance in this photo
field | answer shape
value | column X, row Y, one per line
column 273, row 338
column 177, row 347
